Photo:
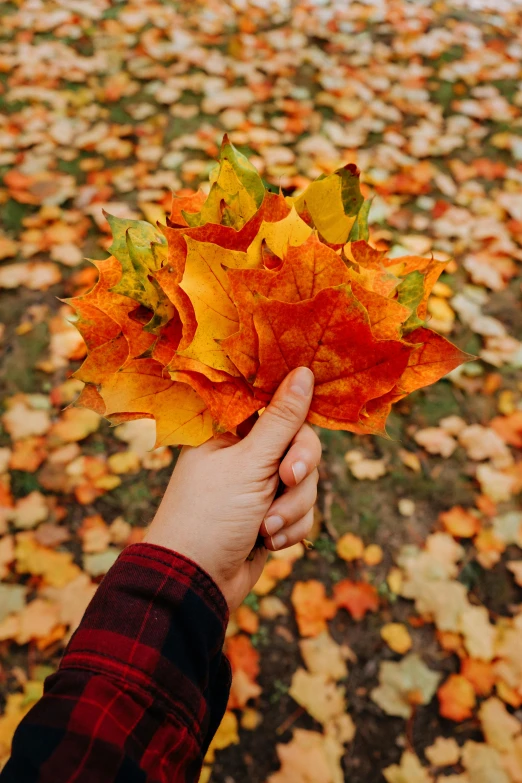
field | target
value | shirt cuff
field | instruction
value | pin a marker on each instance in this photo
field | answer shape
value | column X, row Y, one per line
column 156, row 625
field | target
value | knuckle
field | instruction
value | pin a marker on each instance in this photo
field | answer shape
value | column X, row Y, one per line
column 284, row 409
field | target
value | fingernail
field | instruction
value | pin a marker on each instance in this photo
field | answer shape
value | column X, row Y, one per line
column 302, row 382
column 299, row 470
column 279, row 541
column 273, row 524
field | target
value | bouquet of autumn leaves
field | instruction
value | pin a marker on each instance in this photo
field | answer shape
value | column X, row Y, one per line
column 195, row 323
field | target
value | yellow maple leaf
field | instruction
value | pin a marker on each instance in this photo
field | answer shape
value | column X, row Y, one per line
column 182, row 418
column 205, row 282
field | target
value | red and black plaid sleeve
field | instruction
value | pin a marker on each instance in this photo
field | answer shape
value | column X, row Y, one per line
column 143, row 683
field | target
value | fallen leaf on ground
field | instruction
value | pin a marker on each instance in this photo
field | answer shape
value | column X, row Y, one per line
column 312, row 607
column 350, row 547
column 244, row 661
column 271, row 607
column 12, row 599
column 225, row 735
column 479, row 633
column 139, row 434
column 410, row 770
column 363, row 468
column 357, row 598
column 17, row 705
column 72, row 600
column 483, row 762
column 481, row 675
column 94, row 533
column 35, row 621
column 56, row 568
column 444, row 752
column 436, row 441
column 498, row 725
column 483, row 443
column 321, row 698
column 124, row 462
column 310, row 757
column 30, row 511
column 404, row 685
column 98, row 563
column 456, row 698
column 247, row 619
column 509, row 428
column 397, row 637
column 22, row 421
column 322, row 655
column 373, row 555
column 460, row 522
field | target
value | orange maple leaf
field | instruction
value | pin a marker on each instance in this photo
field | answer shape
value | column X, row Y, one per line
column 356, row 597
column 332, row 335
column 312, row 607
column 140, row 387
column 456, row 698
column 481, row 674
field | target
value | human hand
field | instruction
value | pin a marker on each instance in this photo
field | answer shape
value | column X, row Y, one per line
column 221, row 494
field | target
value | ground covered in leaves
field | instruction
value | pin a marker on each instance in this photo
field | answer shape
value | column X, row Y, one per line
column 393, row 647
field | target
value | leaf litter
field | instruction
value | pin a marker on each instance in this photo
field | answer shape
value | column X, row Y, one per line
column 425, row 101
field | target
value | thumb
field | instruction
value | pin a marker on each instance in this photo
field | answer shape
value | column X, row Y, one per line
column 275, row 429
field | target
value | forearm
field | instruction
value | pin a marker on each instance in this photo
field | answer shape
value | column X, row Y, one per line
column 142, row 686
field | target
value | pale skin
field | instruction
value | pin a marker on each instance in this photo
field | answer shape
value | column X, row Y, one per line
column 221, row 494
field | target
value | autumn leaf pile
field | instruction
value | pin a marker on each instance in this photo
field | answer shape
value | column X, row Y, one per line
column 197, row 322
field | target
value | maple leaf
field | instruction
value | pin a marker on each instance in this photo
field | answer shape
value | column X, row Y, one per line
column 185, row 201
column 307, row 269
column 456, row 698
column 272, row 209
column 444, row 752
column 310, row 757
column 230, row 401
column 483, row 762
column 323, row 655
column 348, row 372
column 356, row 597
column 410, row 770
column 432, row 357
column 105, row 315
column 141, row 249
column 321, row 698
column 460, row 522
column 350, row 547
column 481, row 675
column 205, row 281
column 397, row 637
column 225, row 735
column 180, row 413
column 404, row 684
column 312, row 607
column 236, row 193
column 244, row 661
column 278, row 236
column 17, row 705
column 333, row 203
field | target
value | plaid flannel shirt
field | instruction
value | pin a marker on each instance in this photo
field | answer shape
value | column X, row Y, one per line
column 143, row 683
